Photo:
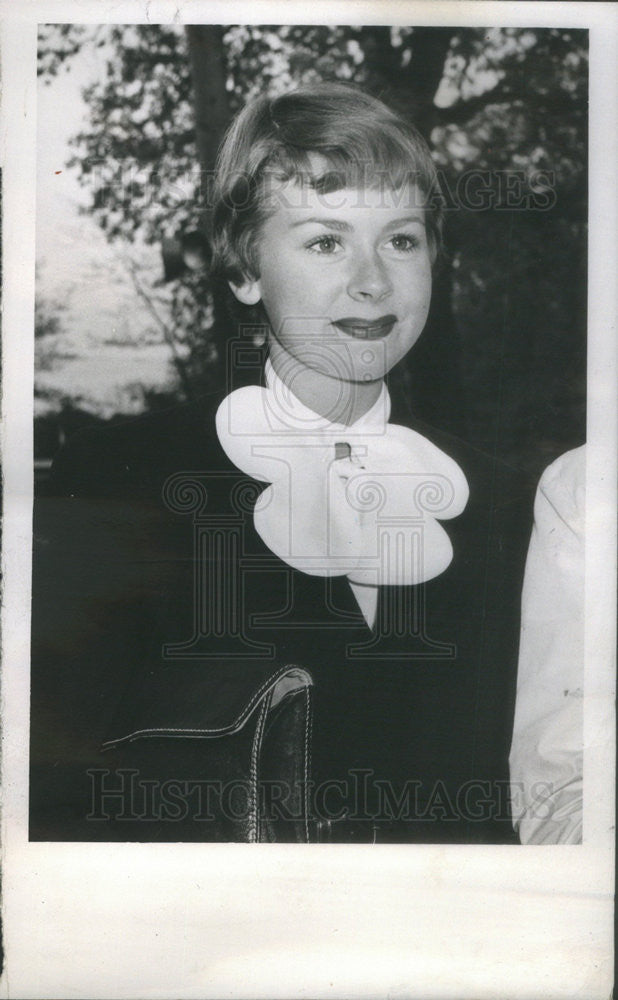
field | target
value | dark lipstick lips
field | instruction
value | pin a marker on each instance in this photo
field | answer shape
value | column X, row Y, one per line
column 366, row 329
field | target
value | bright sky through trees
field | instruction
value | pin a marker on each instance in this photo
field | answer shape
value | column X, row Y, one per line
column 99, row 353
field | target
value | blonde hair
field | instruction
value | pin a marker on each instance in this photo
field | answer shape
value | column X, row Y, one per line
column 358, row 141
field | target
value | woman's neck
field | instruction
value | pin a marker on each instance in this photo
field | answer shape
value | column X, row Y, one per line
column 338, row 401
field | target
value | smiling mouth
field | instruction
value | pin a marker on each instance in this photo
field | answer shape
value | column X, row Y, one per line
column 366, row 329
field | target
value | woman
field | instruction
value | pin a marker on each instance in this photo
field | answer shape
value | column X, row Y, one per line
column 320, row 561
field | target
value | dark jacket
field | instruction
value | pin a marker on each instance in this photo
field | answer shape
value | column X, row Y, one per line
column 157, row 609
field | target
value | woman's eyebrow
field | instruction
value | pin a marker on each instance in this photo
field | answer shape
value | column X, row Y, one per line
column 405, row 221
column 337, row 224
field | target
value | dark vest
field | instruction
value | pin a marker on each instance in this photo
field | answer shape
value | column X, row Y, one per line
column 156, row 605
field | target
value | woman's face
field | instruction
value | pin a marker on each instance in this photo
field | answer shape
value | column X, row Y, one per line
column 345, row 278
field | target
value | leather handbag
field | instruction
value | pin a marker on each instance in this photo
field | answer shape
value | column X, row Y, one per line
column 211, row 751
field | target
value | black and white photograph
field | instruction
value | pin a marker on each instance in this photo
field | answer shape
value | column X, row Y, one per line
column 321, row 413
column 277, row 591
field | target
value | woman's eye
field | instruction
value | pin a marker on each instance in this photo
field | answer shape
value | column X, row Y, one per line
column 403, row 243
column 324, row 245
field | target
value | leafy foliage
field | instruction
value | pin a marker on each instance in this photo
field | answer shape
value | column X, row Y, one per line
column 505, row 109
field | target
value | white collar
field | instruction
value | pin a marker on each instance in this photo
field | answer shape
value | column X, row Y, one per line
column 372, row 517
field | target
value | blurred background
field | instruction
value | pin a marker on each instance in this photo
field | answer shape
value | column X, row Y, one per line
column 129, row 122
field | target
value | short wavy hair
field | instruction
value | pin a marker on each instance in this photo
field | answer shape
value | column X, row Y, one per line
column 358, row 141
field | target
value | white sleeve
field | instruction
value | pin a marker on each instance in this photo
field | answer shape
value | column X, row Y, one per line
column 546, row 757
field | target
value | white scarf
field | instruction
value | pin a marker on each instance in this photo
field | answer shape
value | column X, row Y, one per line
column 370, row 516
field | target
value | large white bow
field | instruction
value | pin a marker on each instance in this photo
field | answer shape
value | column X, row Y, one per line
column 370, row 516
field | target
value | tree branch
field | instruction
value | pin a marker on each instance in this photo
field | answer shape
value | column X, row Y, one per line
column 168, row 334
column 462, row 111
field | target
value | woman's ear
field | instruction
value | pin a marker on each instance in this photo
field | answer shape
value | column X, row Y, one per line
column 249, row 292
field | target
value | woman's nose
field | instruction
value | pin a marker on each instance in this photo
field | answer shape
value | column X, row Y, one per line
column 369, row 279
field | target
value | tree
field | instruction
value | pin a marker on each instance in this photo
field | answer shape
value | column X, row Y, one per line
column 506, row 113
column 48, row 326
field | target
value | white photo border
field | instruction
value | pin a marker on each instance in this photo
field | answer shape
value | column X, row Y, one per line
column 200, row 920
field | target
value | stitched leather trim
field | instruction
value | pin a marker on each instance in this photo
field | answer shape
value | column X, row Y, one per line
column 291, row 670
column 307, row 755
column 254, row 828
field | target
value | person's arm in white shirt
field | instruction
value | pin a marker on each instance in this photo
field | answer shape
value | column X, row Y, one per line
column 546, row 757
